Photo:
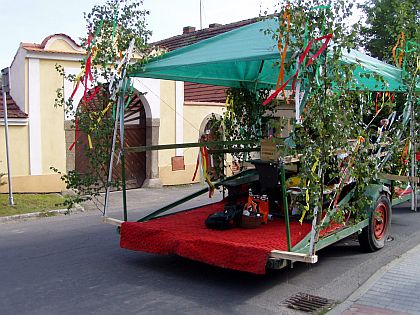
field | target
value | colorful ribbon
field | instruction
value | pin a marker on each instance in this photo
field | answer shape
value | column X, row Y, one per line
column 301, row 59
column 283, row 50
column 83, row 77
column 307, row 197
column 398, row 50
column 203, row 160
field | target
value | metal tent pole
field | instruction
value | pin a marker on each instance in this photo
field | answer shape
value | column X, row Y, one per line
column 122, row 154
column 413, row 156
column 285, row 204
column 122, row 65
column 5, row 86
column 111, row 159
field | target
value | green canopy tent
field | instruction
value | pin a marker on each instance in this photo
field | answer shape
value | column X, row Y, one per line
column 248, row 57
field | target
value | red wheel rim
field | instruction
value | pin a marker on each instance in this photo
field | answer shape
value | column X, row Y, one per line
column 380, row 221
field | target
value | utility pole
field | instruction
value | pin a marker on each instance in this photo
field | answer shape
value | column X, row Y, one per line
column 5, row 85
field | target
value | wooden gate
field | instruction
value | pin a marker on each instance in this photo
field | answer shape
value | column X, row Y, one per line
column 135, row 135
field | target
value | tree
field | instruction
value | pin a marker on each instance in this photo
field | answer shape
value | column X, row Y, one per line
column 391, row 33
column 244, row 119
column 112, row 28
column 385, row 20
column 331, row 114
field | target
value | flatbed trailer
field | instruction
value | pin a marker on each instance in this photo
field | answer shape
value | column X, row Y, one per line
column 275, row 245
column 223, row 61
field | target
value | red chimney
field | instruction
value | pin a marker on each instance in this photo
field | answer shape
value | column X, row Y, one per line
column 213, row 25
column 188, row 29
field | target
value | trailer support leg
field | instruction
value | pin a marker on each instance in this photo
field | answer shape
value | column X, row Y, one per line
column 285, row 204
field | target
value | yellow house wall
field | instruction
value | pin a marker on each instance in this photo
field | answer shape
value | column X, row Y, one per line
column 193, row 118
column 53, row 150
column 60, row 45
column 167, row 121
column 35, row 184
column 22, row 182
column 18, row 150
column 52, row 118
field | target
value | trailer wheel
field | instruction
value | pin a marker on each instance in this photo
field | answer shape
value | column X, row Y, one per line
column 373, row 236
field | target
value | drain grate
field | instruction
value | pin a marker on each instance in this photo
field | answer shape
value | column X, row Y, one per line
column 307, row 303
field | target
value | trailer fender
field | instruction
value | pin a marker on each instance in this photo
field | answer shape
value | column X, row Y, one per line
column 373, row 191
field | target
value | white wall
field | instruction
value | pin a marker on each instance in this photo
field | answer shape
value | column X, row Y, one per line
column 17, row 79
column 152, row 89
column 68, row 90
column 179, row 117
column 34, row 108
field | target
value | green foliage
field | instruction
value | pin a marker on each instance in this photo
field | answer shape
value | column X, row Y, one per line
column 111, row 27
column 116, row 22
column 331, row 115
column 244, row 119
column 385, row 20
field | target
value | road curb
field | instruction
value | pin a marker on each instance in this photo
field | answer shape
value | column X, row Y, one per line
column 40, row 214
column 339, row 309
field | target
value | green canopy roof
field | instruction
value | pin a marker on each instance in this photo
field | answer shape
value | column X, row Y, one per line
column 246, row 56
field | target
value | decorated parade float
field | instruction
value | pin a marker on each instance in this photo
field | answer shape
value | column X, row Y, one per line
column 346, row 159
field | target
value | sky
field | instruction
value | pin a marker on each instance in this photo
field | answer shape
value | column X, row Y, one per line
column 31, row 21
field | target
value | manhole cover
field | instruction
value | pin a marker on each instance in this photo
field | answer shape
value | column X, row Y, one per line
column 308, row 303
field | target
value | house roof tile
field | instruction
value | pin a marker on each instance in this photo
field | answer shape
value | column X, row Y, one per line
column 13, row 111
column 41, row 47
column 195, row 92
column 196, row 36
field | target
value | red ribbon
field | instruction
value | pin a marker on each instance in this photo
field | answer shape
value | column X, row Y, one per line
column 196, row 167
column 76, row 134
column 301, row 59
column 320, row 50
column 75, row 90
column 87, row 76
column 378, row 95
column 93, row 94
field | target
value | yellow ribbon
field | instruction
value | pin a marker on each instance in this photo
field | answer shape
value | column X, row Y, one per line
column 306, row 208
column 98, row 120
column 206, row 175
column 90, row 142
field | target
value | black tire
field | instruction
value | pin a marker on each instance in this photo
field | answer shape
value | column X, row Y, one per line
column 373, row 237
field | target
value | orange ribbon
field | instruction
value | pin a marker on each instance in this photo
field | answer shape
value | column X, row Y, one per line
column 399, row 46
column 283, row 50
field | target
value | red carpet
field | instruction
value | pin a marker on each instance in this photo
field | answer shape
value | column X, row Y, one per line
column 186, row 235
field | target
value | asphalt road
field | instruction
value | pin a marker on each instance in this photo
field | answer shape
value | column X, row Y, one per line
column 74, row 265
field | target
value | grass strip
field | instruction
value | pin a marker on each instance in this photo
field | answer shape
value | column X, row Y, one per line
column 28, row 203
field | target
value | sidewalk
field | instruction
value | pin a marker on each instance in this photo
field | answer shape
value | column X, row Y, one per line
column 393, row 289
column 142, row 201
